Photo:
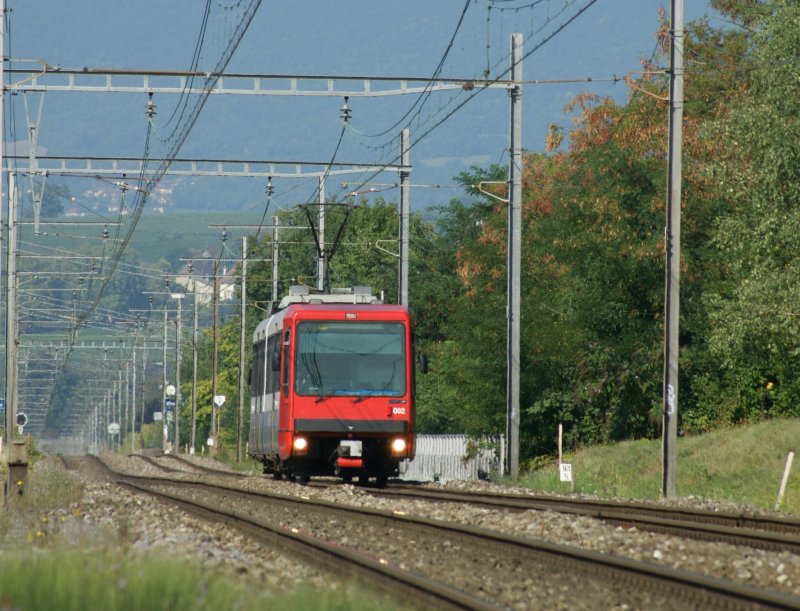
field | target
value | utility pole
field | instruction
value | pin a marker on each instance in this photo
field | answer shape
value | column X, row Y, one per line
column 106, row 444
column 275, row 224
column 94, row 430
column 404, row 216
column 118, row 409
column 133, row 403
column 11, row 310
column 192, row 445
column 164, row 428
column 112, row 395
column 179, row 298
column 128, row 415
column 242, row 328
column 673, row 248
column 144, row 404
column 514, row 257
column 322, row 257
column 214, row 426
column 8, row 422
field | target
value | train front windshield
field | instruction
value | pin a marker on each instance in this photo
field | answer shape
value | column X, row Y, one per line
column 350, row 358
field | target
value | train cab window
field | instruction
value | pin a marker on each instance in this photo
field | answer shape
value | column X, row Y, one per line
column 359, row 359
column 285, row 378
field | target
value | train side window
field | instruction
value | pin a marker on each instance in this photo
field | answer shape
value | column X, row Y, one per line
column 254, row 370
column 262, row 373
column 285, row 379
column 260, row 368
column 272, row 357
column 275, row 356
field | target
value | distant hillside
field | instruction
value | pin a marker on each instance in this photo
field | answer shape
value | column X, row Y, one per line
column 171, row 237
column 158, row 238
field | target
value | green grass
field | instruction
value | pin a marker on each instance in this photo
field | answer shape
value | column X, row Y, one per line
column 49, row 559
column 76, row 580
column 743, row 465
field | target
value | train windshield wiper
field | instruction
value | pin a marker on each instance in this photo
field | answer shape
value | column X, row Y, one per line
column 364, row 394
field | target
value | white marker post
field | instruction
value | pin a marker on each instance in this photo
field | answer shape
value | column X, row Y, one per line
column 786, row 468
column 560, row 439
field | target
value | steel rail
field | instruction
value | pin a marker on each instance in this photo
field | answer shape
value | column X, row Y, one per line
column 201, row 468
column 763, row 532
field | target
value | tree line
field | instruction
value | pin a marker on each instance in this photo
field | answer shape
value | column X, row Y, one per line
column 594, row 255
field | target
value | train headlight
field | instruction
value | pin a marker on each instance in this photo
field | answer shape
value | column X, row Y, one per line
column 398, row 446
column 300, row 445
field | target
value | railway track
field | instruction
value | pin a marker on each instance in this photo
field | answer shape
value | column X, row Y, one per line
column 194, row 467
column 336, row 558
column 661, row 587
column 762, row 532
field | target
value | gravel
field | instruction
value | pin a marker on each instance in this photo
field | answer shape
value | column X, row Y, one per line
column 108, row 512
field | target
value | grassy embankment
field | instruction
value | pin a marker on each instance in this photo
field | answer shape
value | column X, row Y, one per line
column 104, row 579
column 51, row 559
column 744, row 465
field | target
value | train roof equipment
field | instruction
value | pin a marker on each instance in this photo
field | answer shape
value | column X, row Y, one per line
column 353, row 295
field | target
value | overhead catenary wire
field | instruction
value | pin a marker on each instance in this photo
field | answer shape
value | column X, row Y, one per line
column 423, row 97
column 147, row 180
column 500, row 77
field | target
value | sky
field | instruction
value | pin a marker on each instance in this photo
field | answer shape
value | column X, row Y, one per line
column 356, row 38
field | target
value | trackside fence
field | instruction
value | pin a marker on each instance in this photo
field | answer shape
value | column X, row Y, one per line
column 440, row 458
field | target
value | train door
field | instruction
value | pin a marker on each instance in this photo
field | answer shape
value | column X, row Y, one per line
column 272, row 394
column 285, row 427
column 257, row 385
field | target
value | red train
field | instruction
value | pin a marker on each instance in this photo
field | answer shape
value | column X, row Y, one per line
column 332, row 387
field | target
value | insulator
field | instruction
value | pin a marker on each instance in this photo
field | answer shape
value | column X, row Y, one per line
column 151, row 106
column 269, row 189
column 224, row 236
column 346, row 113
